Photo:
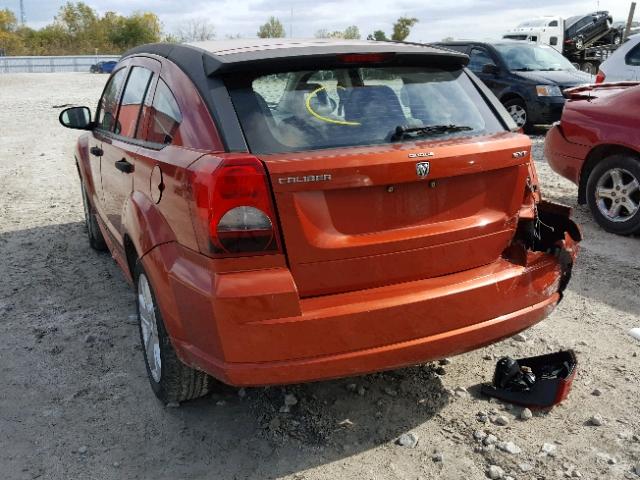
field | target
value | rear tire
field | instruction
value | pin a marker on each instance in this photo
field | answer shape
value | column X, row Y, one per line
column 613, row 194
column 96, row 240
column 170, row 379
column 518, row 111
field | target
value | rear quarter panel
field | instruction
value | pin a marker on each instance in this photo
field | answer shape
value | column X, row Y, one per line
column 611, row 119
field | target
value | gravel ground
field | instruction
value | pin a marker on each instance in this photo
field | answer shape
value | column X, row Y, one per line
column 76, row 403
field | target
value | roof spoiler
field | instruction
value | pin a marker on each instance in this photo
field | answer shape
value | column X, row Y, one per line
column 583, row 92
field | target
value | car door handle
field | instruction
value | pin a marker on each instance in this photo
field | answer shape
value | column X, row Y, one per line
column 97, row 151
column 124, row 166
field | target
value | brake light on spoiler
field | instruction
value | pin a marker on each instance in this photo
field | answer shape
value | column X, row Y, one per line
column 366, row 57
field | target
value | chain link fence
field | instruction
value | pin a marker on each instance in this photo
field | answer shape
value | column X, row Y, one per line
column 67, row 63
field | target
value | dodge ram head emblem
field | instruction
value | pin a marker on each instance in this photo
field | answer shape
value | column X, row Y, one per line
column 422, row 169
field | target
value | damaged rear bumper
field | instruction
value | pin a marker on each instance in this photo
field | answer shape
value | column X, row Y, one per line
column 251, row 328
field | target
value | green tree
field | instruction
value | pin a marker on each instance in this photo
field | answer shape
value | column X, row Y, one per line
column 402, row 28
column 139, row 28
column 8, row 22
column 10, row 40
column 272, row 29
column 351, row 32
column 378, row 35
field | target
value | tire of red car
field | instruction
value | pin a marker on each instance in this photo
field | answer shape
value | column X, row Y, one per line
column 613, row 194
column 171, row 380
column 96, row 240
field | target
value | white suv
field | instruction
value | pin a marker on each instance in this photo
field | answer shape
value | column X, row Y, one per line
column 624, row 64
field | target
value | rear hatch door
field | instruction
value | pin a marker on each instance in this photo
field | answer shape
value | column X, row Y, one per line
column 356, row 218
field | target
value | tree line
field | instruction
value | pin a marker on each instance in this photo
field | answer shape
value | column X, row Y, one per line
column 78, row 29
column 273, row 28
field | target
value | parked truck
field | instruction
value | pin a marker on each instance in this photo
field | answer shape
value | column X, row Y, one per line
column 586, row 40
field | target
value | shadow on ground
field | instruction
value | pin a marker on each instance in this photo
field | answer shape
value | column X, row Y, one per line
column 70, row 336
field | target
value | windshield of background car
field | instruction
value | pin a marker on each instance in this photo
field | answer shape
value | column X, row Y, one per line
column 317, row 109
column 534, row 23
column 532, row 57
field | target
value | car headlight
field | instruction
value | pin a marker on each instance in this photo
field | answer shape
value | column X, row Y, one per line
column 548, row 91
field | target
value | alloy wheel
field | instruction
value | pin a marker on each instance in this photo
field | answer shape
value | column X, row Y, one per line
column 519, row 115
column 149, row 327
column 618, row 195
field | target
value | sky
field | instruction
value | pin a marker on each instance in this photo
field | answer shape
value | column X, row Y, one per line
column 479, row 19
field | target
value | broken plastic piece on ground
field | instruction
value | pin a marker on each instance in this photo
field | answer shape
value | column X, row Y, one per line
column 635, row 333
column 541, row 381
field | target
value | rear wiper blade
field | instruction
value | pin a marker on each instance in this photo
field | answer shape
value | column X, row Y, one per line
column 401, row 131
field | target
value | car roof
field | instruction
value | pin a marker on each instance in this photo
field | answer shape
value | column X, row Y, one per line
column 227, row 55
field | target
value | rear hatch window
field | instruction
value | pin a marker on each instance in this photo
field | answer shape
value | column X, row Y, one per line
column 340, row 107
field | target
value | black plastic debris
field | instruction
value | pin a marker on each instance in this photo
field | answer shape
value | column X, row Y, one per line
column 541, row 381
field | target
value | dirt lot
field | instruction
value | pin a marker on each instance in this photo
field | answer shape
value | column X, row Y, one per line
column 75, row 403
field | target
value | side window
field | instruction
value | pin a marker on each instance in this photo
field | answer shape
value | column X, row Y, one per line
column 478, row 58
column 633, row 57
column 553, row 23
column 165, row 117
column 132, row 98
column 108, row 106
column 553, row 41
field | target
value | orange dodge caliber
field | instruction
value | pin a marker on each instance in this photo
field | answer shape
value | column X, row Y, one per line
column 290, row 211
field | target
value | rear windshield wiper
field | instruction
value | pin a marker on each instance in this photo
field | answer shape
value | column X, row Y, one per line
column 400, row 132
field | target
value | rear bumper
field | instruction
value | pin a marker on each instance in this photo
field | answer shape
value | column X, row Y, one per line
column 251, row 328
column 564, row 157
column 386, row 357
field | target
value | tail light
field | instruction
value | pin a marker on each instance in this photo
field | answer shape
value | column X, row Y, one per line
column 232, row 207
column 600, row 77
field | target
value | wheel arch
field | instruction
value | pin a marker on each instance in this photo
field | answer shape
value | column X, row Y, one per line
column 144, row 225
column 511, row 95
column 144, row 229
column 595, row 155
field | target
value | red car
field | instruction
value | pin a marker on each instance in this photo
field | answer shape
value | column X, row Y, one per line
column 596, row 145
column 293, row 211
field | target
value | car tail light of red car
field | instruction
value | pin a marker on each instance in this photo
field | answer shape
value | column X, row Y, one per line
column 600, row 77
column 232, row 206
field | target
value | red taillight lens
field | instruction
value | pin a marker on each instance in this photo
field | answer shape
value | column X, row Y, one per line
column 600, row 77
column 233, row 210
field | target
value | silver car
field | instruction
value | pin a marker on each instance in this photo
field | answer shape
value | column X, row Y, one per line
column 623, row 64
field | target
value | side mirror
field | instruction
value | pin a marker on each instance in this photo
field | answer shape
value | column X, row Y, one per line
column 490, row 68
column 76, row 117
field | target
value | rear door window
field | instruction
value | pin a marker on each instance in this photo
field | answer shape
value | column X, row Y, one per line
column 309, row 110
column 165, row 117
column 132, row 99
column 108, row 106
